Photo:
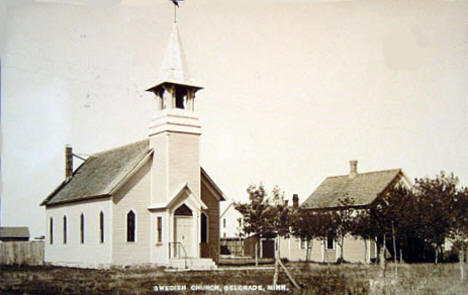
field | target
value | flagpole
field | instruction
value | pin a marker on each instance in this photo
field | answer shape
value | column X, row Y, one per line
column 175, row 14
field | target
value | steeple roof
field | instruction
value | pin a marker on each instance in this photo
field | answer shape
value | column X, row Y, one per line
column 174, row 67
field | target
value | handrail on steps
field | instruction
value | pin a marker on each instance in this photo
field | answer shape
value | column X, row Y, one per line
column 183, row 248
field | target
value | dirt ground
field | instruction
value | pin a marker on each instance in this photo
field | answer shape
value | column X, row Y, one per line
column 314, row 279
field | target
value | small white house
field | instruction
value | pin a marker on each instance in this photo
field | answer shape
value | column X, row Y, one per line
column 231, row 222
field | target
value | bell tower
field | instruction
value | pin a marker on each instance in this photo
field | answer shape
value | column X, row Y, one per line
column 175, row 129
column 175, row 93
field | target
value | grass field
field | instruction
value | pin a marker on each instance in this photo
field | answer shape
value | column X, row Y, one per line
column 314, row 279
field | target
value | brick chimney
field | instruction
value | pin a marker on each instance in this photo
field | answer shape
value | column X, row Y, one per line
column 68, row 161
column 295, row 201
column 353, row 168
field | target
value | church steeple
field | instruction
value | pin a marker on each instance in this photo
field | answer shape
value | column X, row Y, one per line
column 175, row 88
column 175, row 129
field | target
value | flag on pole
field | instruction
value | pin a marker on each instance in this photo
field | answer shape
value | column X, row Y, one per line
column 176, row 2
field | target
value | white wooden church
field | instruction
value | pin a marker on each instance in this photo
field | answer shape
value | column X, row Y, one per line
column 148, row 202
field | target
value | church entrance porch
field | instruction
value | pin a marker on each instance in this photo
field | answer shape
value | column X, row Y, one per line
column 183, row 232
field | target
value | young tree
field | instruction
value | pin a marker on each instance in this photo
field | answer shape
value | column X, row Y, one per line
column 434, row 203
column 309, row 225
column 459, row 231
column 343, row 221
column 266, row 216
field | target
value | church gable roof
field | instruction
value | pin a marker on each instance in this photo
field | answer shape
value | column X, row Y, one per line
column 364, row 188
column 100, row 174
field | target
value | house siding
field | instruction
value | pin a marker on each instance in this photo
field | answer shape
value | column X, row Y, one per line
column 92, row 251
column 354, row 250
column 290, row 248
column 134, row 195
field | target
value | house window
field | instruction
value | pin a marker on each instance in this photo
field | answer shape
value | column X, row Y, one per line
column 204, row 228
column 330, row 242
column 303, row 243
column 159, row 225
column 224, row 222
column 82, row 228
column 64, row 229
column 51, row 229
column 131, row 226
column 101, row 226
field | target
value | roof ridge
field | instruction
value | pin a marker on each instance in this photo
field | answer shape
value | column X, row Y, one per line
column 365, row 173
column 118, row 147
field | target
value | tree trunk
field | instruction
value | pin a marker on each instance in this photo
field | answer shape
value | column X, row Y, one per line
column 436, row 255
column 275, row 276
column 342, row 248
column 365, row 251
column 401, row 255
column 461, row 258
column 382, row 257
column 256, row 253
column 307, row 251
column 394, row 251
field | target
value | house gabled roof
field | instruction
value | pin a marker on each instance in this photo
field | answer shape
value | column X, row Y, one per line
column 364, row 188
column 14, row 232
column 101, row 174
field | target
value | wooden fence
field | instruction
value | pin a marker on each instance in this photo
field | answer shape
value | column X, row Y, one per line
column 22, row 253
column 232, row 246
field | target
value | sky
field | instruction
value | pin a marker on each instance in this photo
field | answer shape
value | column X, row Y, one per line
column 293, row 89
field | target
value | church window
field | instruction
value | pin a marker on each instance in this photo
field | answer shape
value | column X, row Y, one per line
column 82, row 228
column 159, row 228
column 64, row 229
column 51, row 230
column 183, row 210
column 101, row 226
column 204, row 228
column 131, row 226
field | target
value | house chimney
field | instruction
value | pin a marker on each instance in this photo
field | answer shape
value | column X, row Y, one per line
column 68, row 161
column 353, row 168
column 295, row 201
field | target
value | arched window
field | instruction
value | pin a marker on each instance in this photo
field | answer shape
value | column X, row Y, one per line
column 101, row 226
column 51, row 230
column 82, row 229
column 131, row 226
column 204, row 228
column 64, row 229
